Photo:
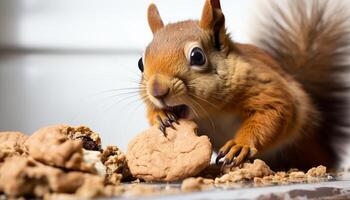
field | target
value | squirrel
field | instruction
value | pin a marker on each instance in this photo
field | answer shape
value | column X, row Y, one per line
column 282, row 99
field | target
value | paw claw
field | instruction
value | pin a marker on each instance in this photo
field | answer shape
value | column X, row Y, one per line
column 252, row 152
column 172, row 117
column 235, row 153
column 220, row 155
column 166, row 121
column 162, row 128
column 226, row 164
column 234, row 162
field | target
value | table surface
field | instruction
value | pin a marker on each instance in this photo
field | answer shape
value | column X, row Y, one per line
column 335, row 189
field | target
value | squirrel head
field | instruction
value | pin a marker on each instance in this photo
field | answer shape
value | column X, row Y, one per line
column 181, row 66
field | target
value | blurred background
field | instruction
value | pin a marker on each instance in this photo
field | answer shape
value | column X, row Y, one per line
column 71, row 61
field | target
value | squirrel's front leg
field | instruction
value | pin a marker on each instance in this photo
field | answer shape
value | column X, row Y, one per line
column 258, row 132
column 161, row 117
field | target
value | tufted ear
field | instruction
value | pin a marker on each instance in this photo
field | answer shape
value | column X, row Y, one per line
column 213, row 21
column 154, row 20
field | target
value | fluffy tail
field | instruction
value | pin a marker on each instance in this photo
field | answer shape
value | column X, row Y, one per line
column 312, row 42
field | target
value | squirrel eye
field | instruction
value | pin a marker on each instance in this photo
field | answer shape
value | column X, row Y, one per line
column 140, row 63
column 197, row 57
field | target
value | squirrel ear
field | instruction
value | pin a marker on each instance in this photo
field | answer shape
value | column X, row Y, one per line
column 154, row 20
column 213, row 20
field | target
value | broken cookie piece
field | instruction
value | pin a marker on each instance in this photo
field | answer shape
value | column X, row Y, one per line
column 279, row 178
column 62, row 146
column 315, row 174
column 153, row 157
column 20, row 176
column 93, row 187
column 11, row 144
column 91, row 140
column 320, row 171
column 11, row 139
column 297, row 177
column 196, row 184
column 247, row 171
column 116, row 166
column 93, row 158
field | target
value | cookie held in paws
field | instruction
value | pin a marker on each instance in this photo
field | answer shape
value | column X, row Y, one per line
column 153, row 157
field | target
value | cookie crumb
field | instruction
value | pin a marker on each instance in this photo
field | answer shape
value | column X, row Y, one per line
column 116, row 166
column 12, row 144
column 196, row 184
column 319, row 171
column 247, row 171
column 91, row 140
column 297, row 177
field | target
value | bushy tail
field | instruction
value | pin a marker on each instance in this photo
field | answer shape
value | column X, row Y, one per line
column 312, row 42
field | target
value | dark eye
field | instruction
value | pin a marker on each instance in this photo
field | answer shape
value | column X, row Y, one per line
column 197, row 57
column 140, row 63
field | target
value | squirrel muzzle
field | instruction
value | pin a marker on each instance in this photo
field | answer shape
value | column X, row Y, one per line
column 158, row 88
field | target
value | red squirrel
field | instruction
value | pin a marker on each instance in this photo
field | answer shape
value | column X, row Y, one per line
column 281, row 100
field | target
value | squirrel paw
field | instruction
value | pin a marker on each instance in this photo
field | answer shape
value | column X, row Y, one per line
column 165, row 121
column 235, row 154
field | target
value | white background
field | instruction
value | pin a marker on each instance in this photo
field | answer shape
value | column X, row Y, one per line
column 58, row 59
column 71, row 52
column 105, row 23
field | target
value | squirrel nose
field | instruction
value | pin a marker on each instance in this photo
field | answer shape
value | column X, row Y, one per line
column 159, row 86
column 160, row 92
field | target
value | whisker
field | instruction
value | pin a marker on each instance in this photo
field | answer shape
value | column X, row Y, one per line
column 144, row 97
column 104, row 105
column 193, row 107
column 213, row 93
column 207, row 116
column 121, row 89
column 204, row 100
column 135, row 108
column 99, row 98
column 123, row 94
column 136, row 100
column 120, row 101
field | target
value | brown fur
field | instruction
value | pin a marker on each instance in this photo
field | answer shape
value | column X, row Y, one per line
column 154, row 20
column 280, row 114
column 314, row 48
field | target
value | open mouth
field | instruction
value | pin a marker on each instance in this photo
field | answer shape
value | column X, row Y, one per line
column 181, row 111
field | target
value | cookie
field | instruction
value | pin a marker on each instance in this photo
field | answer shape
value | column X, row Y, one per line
column 62, row 146
column 116, row 166
column 152, row 156
column 21, row 176
column 11, row 143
